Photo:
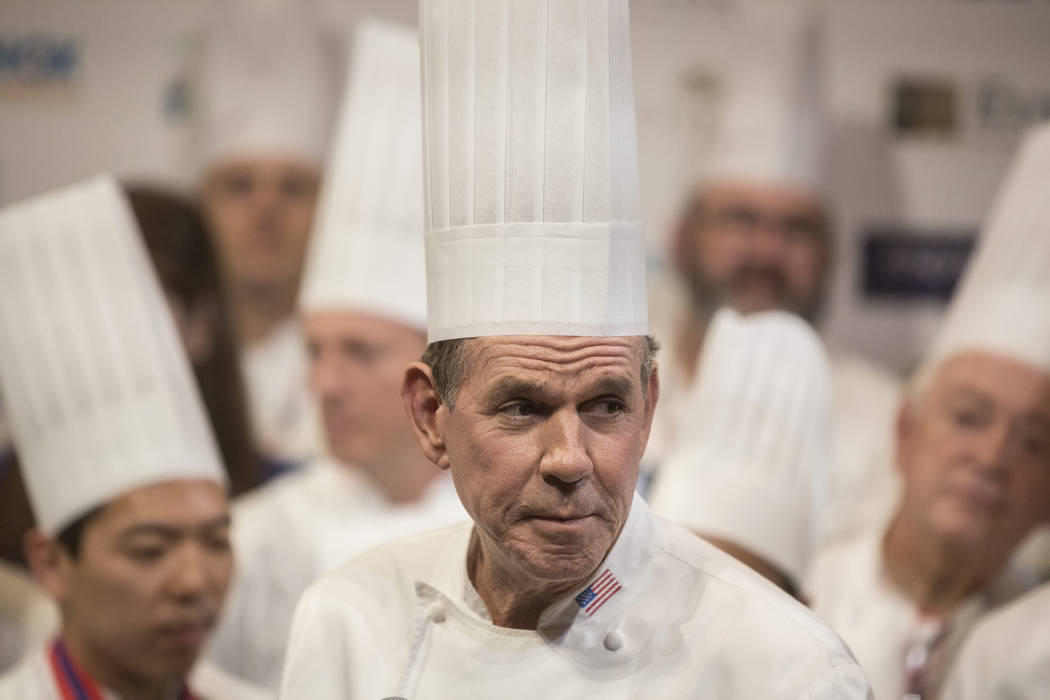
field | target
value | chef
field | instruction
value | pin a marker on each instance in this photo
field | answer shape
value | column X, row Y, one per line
column 1007, row 656
column 264, row 81
column 750, row 474
column 756, row 233
column 121, row 468
column 537, row 393
column 363, row 305
column 973, row 452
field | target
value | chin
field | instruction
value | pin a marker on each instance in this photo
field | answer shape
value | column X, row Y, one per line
column 963, row 529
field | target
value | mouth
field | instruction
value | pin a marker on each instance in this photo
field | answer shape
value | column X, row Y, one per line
column 561, row 521
column 979, row 498
column 188, row 634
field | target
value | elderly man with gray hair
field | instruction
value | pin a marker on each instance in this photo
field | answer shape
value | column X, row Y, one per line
column 973, row 452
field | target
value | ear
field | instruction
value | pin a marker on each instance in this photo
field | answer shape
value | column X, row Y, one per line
column 422, row 402
column 904, row 430
column 49, row 563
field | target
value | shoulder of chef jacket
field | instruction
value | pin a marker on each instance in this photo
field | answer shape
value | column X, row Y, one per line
column 35, row 678
column 665, row 615
column 1007, row 654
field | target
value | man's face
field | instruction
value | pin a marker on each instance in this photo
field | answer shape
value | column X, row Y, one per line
column 544, row 444
column 755, row 248
column 260, row 212
column 357, row 362
column 150, row 578
column 974, row 450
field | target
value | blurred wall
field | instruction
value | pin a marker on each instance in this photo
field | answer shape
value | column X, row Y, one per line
column 91, row 86
column 927, row 100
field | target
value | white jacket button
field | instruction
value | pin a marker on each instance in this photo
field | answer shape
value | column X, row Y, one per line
column 614, row 640
column 436, row 611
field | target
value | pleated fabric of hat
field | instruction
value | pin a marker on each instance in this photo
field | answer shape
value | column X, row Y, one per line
column 97, row 387
column 530, row 169
column 366, row 253
column 1002, row 304
column 771, row 124
column 264, row 84
column 752, row 467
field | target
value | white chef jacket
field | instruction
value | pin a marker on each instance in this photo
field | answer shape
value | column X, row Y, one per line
column 33, row 679
column 289, row 533
column 282, row 410
column 862, row 485
column 28, row 617
column 666, row 616
column 851, row 592
column 1007, row 656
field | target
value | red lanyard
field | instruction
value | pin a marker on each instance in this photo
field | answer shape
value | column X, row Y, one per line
column 75, row 684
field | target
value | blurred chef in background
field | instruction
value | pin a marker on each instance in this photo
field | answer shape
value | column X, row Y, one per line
column 750, row 474
column 756, row 234
column 265, row 84
column 122, row 470
column 364, row 312
column 186, row 265
column 973, row 452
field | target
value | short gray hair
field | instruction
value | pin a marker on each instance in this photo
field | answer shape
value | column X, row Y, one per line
column 448, row 361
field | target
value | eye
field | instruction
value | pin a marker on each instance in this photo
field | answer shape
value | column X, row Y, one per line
column 802, row 229
column 238, row 185
column 967, row 418
column 740, row 218
column 606, row 407
column 296, row 187
column 519, row 409
column 218, row 542
column 1036, row 445
column 146, row 554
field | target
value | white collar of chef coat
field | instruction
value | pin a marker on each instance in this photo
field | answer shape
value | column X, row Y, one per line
column 567, row 624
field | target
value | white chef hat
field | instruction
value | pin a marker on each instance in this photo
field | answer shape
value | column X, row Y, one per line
column 367, row 249
column 1002, row 304
column 753, row 464
column 770, row 128
column 96, row 384
column 530, row 169
column 265, row 83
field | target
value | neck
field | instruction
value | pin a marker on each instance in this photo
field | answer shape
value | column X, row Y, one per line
column 504, row 588
column 932, row 573
column 402, row 479
column 126, row 684
column 259, row 310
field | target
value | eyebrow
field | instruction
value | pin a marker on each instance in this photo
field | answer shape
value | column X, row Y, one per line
column 170, row 531
column 508, row 387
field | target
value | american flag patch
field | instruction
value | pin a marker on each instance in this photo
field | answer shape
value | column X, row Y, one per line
column 596, row 594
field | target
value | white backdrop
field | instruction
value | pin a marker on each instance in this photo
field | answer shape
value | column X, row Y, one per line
column 93, row 86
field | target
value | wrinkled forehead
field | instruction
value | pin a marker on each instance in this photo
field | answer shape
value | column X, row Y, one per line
column 1013, row 384
column 554, row 359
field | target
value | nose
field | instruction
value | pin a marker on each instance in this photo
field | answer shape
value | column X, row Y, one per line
column 326, row 375
column 266, row 195
column 190, row 575
column 770, row 239
column 565, row 462
column 992, row 449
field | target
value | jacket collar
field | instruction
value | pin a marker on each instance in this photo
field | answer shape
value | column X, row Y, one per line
column 587, row 618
